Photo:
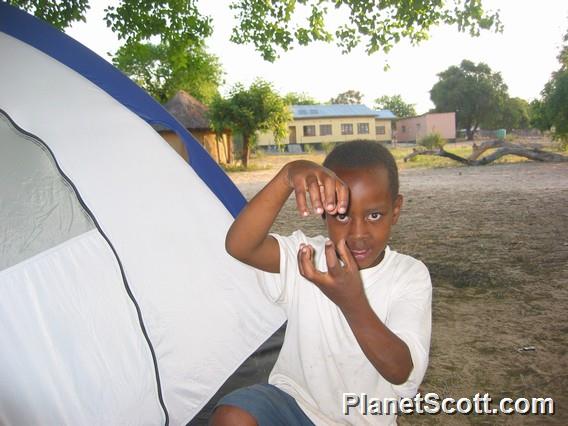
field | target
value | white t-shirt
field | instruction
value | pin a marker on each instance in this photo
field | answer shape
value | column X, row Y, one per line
column 321, row 360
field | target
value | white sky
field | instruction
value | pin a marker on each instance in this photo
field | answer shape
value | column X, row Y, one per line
column 525, row 54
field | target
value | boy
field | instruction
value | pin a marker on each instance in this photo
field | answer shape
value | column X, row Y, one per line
column 359, row 314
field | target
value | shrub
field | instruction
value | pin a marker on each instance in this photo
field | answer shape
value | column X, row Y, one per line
column 308, row 148
column 432, row 141
column 327, row 147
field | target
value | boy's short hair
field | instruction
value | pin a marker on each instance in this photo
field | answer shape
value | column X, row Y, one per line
column 361, row 154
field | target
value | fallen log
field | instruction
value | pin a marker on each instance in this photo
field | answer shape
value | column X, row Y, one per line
column 532, row 152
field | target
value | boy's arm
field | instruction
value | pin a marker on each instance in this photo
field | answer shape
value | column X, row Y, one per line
column 342, row 285
column 248, row 239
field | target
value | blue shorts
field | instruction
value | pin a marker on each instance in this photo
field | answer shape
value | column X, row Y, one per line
column 269, row 405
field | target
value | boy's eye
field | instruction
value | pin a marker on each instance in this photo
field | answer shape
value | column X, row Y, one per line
column 374, row 216
column 341, row 217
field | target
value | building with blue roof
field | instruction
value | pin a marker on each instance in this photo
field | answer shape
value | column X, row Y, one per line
column 322, row 124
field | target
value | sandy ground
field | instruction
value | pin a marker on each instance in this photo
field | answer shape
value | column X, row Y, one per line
column 495, row 239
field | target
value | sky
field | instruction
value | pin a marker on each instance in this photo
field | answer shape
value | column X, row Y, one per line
column 524, row 53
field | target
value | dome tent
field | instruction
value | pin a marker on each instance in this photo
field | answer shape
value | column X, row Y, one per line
column 118, row 303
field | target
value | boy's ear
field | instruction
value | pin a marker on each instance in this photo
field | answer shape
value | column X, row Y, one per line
column 396, row 208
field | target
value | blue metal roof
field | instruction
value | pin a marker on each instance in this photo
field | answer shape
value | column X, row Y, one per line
column 385, row 113
column 338, row 110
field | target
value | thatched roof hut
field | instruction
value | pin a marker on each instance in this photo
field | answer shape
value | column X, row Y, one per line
column 188, row 111
column 192, row 114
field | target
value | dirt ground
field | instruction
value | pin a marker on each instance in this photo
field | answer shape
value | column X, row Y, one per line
column 495, row 239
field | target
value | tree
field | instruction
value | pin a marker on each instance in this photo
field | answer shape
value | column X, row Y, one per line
column 277, row 25
column 551, row 111
column 515, row 114
column 396, row 105
column 293, row 98
column 474, row 92
column 162, row 70
column 349, row 97
column 248, row 111
column 132, row 20
column 378, row 24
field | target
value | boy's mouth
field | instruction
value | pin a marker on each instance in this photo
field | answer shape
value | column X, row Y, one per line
column 360, row 254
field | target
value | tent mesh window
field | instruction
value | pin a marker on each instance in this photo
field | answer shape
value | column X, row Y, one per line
column 39, row 209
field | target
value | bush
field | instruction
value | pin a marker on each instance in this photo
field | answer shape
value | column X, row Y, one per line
column 308, row 148
column 432, row 141
column 327, row 147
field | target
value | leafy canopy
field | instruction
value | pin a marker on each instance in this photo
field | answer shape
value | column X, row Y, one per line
column 248, row 111
column 293, row 98
column 473, row 91
column 162, row 70
column 550, row 112
column 278, row 25
column 349, row 97
column 396, row 105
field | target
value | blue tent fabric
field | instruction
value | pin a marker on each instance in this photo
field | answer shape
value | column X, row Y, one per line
column 71, row 53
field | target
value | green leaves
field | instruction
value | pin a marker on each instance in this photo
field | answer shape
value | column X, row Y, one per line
column 164, row 69
column 349, row 97
column 174, row 21
column 248, row 111
column 474, row 92
column 61, row 14
column 396, row 105
column 551, row 111
column 274, row 26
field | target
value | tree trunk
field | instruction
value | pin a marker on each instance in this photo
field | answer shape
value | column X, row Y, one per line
column 229, row 147
column 504, row 148
column 469, row 133
column 246, row 149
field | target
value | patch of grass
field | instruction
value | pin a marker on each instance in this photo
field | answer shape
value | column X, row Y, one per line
column 266, row 161
column 238, row 167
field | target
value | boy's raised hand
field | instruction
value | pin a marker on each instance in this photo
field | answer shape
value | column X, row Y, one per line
column 325, row 190
column 342, row 284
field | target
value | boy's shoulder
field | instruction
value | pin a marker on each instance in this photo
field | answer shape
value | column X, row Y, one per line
column 409, row 269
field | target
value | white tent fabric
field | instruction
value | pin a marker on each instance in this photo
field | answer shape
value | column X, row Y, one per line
column 73, row 346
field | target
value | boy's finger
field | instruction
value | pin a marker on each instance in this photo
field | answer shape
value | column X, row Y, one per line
column 342, row 191
column 301, row 201
column 329, row 190
column 308, row 269
column 346, row 255
column 333, row 265
column 314, row 191
column 301, row 252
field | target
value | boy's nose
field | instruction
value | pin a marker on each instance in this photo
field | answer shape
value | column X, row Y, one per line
column 357, row 232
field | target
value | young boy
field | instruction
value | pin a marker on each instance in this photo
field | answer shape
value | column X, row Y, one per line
column 359, row 313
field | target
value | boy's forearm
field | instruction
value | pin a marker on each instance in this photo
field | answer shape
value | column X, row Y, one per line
column 252, row 225
column 385, row 350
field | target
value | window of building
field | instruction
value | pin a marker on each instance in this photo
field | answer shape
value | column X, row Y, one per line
column 380, row 130
column 346, row 129
column 325, row 129
column 363, row 128
column 403, row 129
column 309, row 130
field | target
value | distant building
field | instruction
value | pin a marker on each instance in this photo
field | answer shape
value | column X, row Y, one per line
column 320, row 124
column 412, row 129
column 192, row 114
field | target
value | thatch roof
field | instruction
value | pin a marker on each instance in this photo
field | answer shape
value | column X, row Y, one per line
column 188, row 111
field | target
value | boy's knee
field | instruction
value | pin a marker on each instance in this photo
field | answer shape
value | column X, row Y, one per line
column 229, row 415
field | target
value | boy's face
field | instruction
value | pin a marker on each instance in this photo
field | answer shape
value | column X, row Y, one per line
column 366, row 226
